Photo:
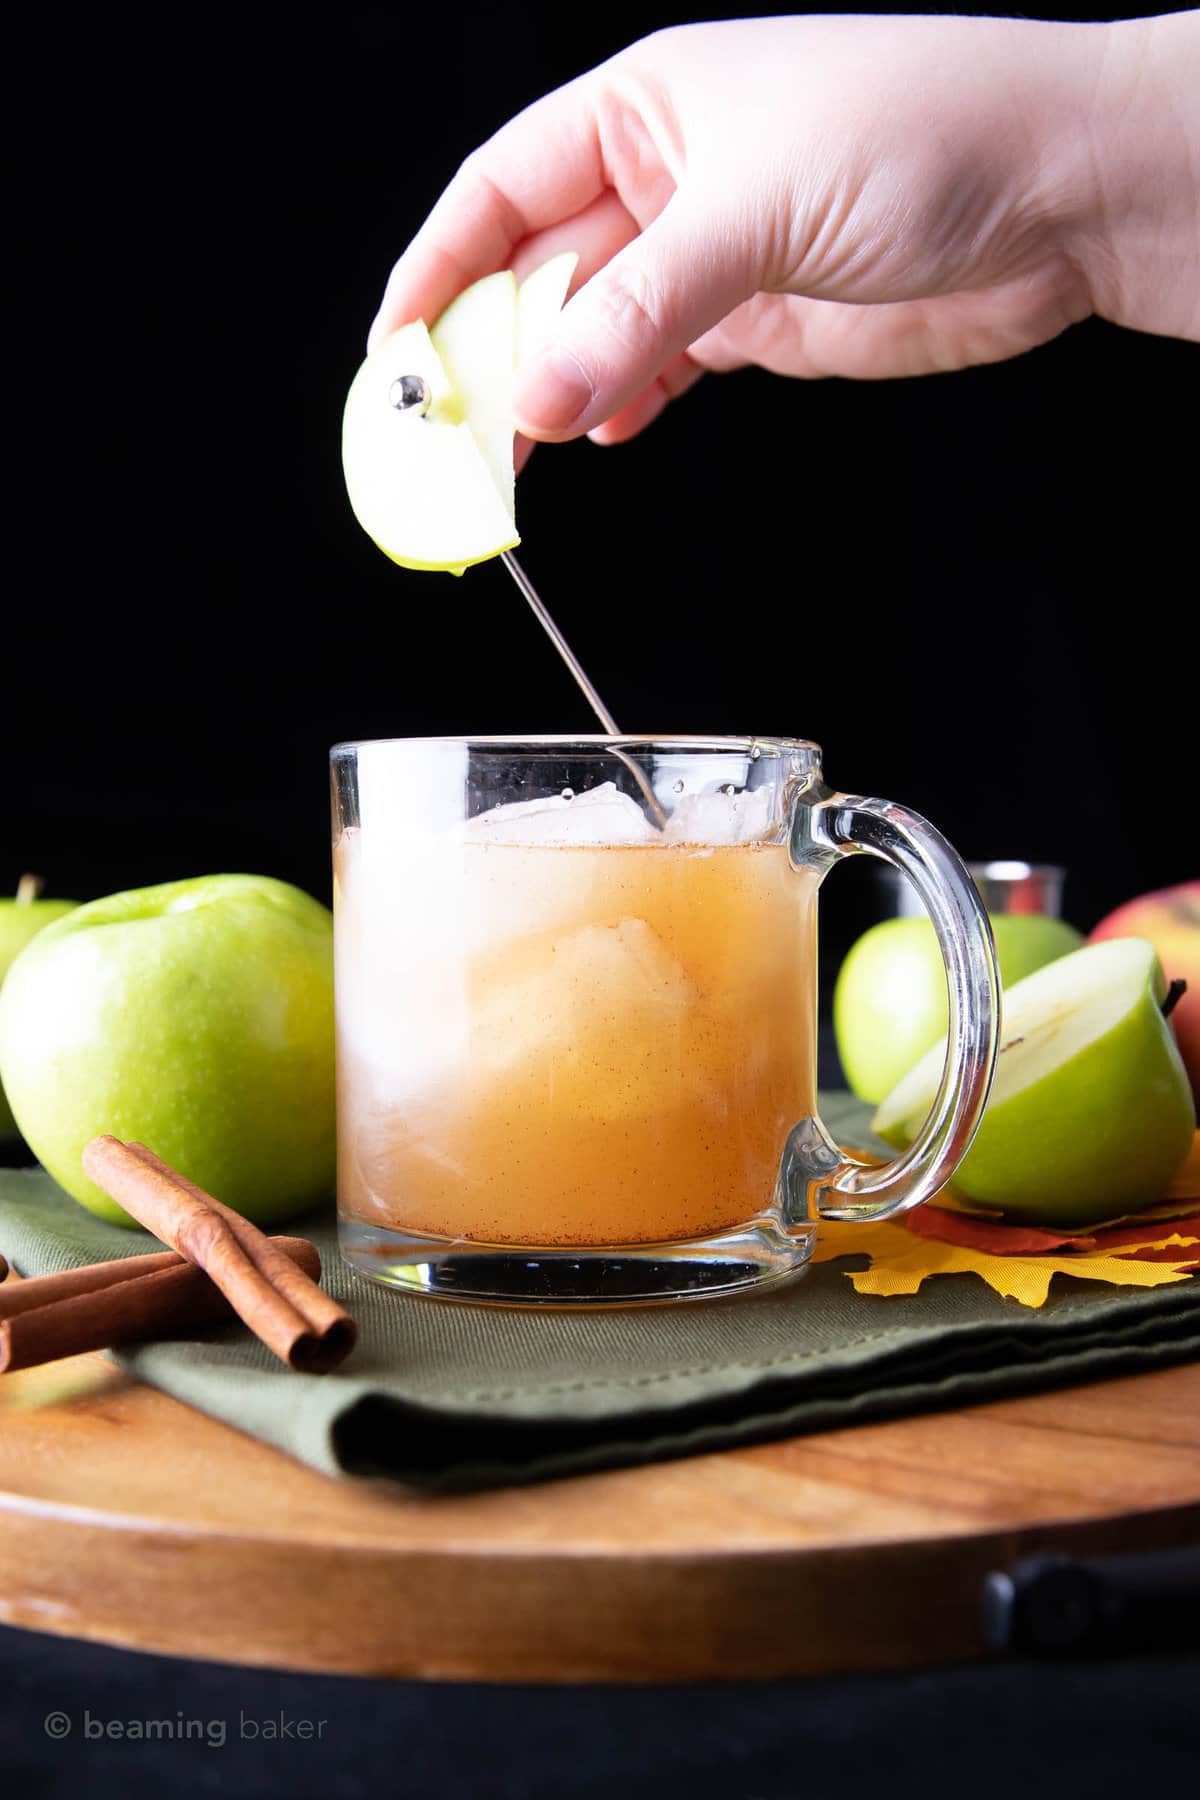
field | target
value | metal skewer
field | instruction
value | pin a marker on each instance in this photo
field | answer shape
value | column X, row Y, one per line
column 559, row 641
column 542, row 615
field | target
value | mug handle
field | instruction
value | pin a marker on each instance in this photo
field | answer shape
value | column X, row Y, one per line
column 847, row 825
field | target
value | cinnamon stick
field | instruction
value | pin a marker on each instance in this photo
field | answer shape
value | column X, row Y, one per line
column 283, row 1306
column 44, row 1290
column 162, row 1296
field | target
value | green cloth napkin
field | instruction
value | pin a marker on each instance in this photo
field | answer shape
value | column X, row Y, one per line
column 454, row 1396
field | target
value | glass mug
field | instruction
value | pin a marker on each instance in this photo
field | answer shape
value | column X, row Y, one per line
column 576, row 1014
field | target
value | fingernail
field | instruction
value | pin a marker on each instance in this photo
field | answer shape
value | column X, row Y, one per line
column 552, row 392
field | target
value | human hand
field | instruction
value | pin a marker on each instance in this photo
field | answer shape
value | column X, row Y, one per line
column 828, row 196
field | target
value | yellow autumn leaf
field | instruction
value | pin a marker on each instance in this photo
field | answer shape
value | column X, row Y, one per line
column 901, row 1261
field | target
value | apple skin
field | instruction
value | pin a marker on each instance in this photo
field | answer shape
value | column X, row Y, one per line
column 195, row 1017
column 1100, row 1135
column 1170, row 919
column 19, row 922
column 889, row 1003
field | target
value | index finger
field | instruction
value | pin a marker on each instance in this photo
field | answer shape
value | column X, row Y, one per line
column 539, row 169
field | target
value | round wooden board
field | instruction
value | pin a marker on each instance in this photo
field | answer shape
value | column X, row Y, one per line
column 129, row 1518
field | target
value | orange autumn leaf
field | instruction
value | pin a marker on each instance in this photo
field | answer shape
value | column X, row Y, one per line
column 901, row 1261
column 933, row 1220
column 1001, row 1239
column 1165, row 1253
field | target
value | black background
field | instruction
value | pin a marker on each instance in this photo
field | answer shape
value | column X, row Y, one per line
column 1086, row 1731
column 973, row 589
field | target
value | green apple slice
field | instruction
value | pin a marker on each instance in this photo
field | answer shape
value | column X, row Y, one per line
column 418, row 482
column 476, row 339
column 540, row 299
column 1090, row 1113
column 433, row 485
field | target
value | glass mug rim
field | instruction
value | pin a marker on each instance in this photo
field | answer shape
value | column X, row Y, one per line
column 535, row 743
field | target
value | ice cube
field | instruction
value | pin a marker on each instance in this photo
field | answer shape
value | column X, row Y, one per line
column 578, row 1019
column 717, row 818
column 600, row 815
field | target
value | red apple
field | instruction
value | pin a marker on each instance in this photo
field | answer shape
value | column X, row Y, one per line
column 1171, row 921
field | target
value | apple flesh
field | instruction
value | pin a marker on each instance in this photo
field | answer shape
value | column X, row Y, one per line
column 196, row 1017
column 20, row 921
column 418, row 481
column 1170, row 919
column 1090, row 1113
column 889, row 1003
column 433, row 484
column 476, row 339
column 540, row 299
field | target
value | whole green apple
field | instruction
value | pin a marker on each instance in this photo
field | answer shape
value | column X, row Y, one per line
column 20, row 920
column 1090, row 1113
column 889, row 1004
column 196, row 1017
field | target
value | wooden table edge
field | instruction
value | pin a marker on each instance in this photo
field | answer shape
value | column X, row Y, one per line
column 549, row 1611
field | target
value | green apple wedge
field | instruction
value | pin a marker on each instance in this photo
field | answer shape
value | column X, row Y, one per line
column 433, row 485
column 1090, row 1113
column 418, row 482
column 889, row 1001
column 195, row 1017
column 20, row 921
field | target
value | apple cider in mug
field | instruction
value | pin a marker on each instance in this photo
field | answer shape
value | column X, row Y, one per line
column 561, row 1026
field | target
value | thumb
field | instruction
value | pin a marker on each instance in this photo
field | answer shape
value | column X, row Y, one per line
column 666, row 288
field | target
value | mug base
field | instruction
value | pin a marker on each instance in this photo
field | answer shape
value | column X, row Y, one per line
column 743, row 1259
